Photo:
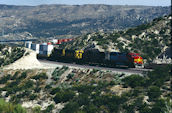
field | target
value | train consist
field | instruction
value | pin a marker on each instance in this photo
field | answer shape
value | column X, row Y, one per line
column 91, row 57
column 94, row 57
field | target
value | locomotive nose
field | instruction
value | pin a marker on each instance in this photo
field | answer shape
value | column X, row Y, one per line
column 138, row 60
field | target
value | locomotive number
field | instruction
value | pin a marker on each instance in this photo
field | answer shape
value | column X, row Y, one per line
column 78, row 54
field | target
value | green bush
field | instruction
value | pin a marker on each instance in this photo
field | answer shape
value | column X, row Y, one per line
column 10, row 108
column 82, row 99
column 159, row 106
column 49, row 109
column 58, row 72
column 55, row 90
column 22, row 76
column 37, row 89
column 4, row 79
column 48, row 87
column 112, row 102
column 145, row 108
column 159, row 75
column 129, row 108
column 28, row 84
column 134, row 81
column 40, row 76
column 71, row 107
column 33, row 96
column 63, row 96
column 91, row 108
column 12, row 84
column 36, row 109
column 84, row 88
column 70, row 76
column 15, row 75
column 154, row 92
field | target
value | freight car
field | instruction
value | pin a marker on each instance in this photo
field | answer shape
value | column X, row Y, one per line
column 94, row 57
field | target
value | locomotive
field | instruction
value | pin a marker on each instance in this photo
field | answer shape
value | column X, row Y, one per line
column 95, row 57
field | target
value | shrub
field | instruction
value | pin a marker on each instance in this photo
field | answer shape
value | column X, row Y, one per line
column 25, row 93
column 82, row 99
column 71, row 107
column 145, row 108
column 36, row 109
column 58, row 72
column 10, row 108
column 37, row 89
column 159, row 106
column 134, row 81
column 40, row 76
column 49, row 109
column 55, row 90
column 84, row 88
column 23, row 76
column 5, row 79
column 32, row 96
column 129, row 108
column 48, row 86
column 15, row 75
column 70, row 76
column 28, row 84
column 63, row 96
column 159, row 75
column 91, row 108
column 18, row 109
column 154, row 92
column 12, row 84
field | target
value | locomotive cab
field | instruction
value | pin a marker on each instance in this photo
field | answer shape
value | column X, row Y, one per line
column 120, row 59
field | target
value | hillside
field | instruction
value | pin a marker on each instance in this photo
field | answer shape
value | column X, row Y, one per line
column 150, row 40
column 9, row 54
column 68, row 90
column 71, row 20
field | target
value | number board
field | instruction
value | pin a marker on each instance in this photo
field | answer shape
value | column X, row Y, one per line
column 78, row 54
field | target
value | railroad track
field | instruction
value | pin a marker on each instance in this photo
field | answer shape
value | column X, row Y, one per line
column 117, row 70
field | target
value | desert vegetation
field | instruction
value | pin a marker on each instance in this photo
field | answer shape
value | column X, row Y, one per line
column 88, row 91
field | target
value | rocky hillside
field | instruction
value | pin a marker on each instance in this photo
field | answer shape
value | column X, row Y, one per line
column 59, row 20
column 67, row 90
column 150, row 39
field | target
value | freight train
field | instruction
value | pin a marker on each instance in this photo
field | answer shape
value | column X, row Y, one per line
column 95, row 57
